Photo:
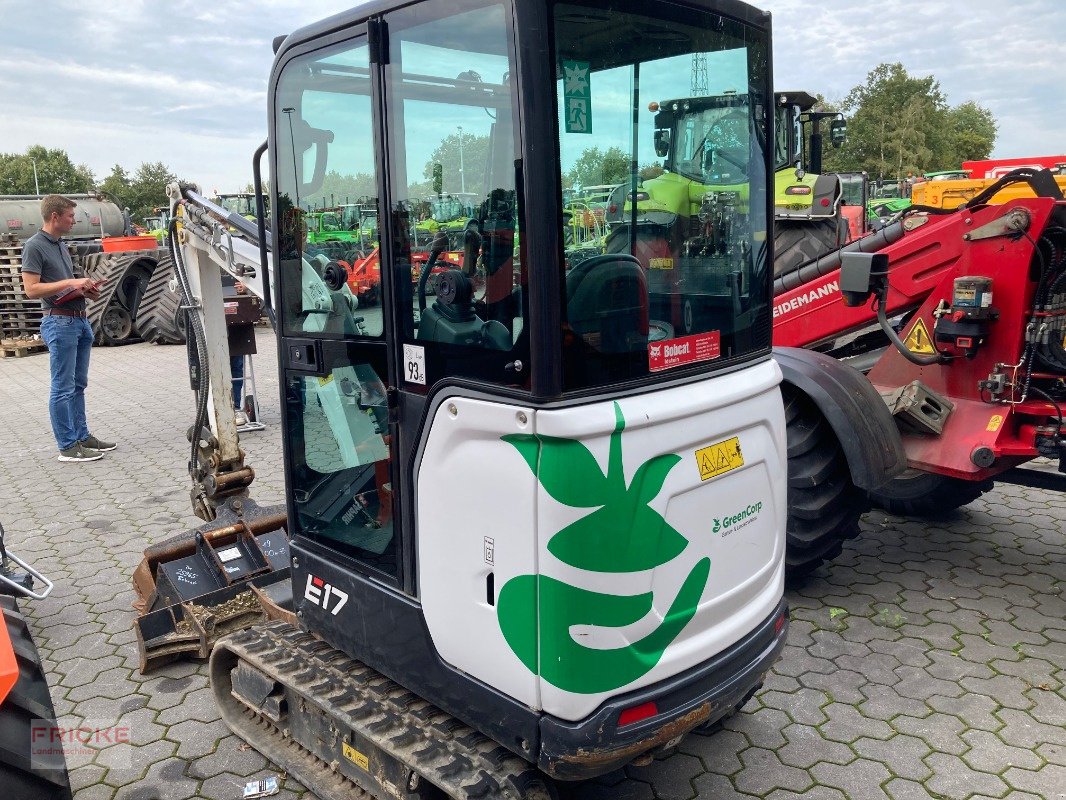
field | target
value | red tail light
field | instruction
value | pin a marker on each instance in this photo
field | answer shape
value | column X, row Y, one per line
column 636, row 714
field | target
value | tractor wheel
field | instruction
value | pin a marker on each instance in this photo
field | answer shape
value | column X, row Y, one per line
column 823, row 504
column 798, row 241
column 116, row 325
column 926, row 494
column 28, row 704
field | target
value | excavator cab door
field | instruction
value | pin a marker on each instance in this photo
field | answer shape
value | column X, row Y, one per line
column 415, row 100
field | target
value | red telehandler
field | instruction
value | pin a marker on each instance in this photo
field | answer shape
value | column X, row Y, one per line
column 958, row 320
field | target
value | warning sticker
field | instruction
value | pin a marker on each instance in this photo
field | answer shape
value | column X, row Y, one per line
column 686, row 350
column 720, row 458
column 919, row 340
column 660, row 263
column 994, row 423
column 355, row 756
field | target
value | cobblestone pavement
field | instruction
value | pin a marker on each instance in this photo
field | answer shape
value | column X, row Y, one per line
column 928, row 661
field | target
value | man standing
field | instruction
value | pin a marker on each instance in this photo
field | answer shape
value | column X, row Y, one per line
column 48, row 276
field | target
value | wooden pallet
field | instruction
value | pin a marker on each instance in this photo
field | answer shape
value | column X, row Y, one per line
column 18, row 348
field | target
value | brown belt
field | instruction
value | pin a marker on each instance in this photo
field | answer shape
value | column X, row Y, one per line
column 63, row 312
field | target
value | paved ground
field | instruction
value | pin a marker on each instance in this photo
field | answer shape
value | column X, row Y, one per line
column 928, row 662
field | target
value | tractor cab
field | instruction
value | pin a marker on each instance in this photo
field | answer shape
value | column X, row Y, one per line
column 549, row 498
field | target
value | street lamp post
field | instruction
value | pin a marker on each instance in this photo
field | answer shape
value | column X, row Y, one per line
column 462, row 175
column 36, row 186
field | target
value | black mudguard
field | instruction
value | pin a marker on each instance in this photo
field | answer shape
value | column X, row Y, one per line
column 853, row 408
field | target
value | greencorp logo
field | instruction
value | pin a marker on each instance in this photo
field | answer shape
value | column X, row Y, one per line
column 623, row 535
column 731, row 523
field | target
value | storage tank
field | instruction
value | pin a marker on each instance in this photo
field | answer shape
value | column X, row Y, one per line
column 95, row 216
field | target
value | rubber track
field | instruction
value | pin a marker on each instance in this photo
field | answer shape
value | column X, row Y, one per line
column 111, row 267
column 823, row 504
column 27, row 701
column 448, row 754
column 160, row 319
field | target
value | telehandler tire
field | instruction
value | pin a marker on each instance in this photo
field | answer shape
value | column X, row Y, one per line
column 27, row 704
column 927, row 494
column 823, row 504
column 798, row 241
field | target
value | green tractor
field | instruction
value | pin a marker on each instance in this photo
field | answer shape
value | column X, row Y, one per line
column 361, row 218
column 328, row 236
column 887, row 199
column 158, row 224
column 808, row 221
column 705, row 143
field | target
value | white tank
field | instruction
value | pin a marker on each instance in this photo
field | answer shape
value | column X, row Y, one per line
column 95, row 216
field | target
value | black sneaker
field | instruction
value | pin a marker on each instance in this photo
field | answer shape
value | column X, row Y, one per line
column 80, row 453
column 92, row 443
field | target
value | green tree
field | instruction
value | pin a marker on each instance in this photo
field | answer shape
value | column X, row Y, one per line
column 148, row 189
column 117, row 186
column 596, row 167
column 56, row 173
column 472, row 159
column 973, row 132
column 337, row 189
column 899, row 124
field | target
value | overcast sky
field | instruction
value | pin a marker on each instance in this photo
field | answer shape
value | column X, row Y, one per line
column 185, row 82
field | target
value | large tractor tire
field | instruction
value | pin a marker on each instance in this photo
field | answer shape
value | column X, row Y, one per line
column 798, row 241
column 160, row 318
column 28, row 704
column 823, row 504
column 926, row 494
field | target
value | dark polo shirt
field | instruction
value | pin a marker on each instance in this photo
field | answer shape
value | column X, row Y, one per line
column 47, row 256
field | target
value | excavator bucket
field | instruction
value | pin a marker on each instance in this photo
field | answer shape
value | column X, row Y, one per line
column 222, row 577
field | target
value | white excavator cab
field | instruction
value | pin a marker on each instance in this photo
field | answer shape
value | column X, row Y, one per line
column 540, row 489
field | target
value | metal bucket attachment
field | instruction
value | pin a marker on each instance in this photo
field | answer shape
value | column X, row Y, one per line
column 219, row 578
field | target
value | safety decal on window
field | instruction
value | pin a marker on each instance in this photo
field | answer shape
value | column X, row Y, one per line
column 577, row 96
column 686, row 350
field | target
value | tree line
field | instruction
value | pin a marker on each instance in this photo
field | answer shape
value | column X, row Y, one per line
column 43, row 170
column 897, row 124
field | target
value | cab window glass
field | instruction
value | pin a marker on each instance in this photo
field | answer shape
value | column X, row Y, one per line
column 671, row 112
column 330, row 274
column 454, row 205
column 341, row 487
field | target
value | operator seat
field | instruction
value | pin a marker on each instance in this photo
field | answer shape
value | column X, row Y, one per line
column 607, row 303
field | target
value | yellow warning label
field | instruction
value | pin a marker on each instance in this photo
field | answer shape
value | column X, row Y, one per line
column 326, row 381
column 660, row 263
column 355, row 756
column 994, row 423
column 919, row 340
column 719, row 458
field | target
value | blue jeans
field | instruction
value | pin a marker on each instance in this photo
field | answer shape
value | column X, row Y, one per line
column 69, row 340
column 236, row 368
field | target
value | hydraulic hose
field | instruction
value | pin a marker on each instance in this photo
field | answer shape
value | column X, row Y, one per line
column 195, row 325
column 831, row 261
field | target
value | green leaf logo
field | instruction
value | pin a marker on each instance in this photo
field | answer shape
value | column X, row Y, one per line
column 622, row 534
